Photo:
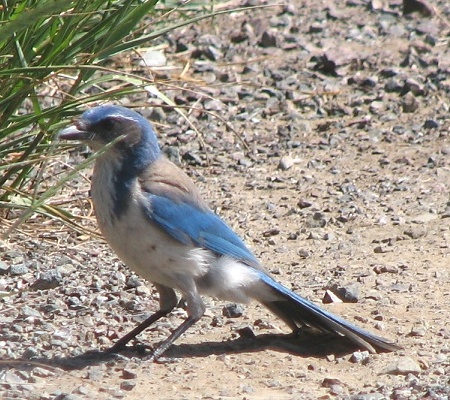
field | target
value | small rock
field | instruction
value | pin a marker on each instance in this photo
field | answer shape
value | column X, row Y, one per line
column 330, row 297
column 368, row 396
column 69, row 396
column 418, row 331
column 349, row 293
column 271, row 232
column 286, row 162
column 329, row 236
column 129, row 374
column 331, row 357
column 246, row 332
column 303, row 253
column 233, row 311
column 18, row 269
column 403, row 366
column 27, row 311
column 393, row 85
column 416, row 232
column 30, row 352
column 47, row 280
column 84, row 390
column 382, row 269
column 424, row 218
column 305, row 204
column 420, row 6
column 273, row 383
column 246, row 162
column 358, row 357
column 316, row 220
column 247, row 389
column 328, row 382
column 94, row 374
column 143, row 290
column 127, row 385
column 430, row 124
column 411, row 85
column 153, row 58
column 157, row 114
column 133, row 282
column 42, row 372
column 4, row 268
column 409, row 103
column 268, row 39
column 263, row 324
column 381, row 250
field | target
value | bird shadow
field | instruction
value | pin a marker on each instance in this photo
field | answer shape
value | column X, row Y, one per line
column 304, row 346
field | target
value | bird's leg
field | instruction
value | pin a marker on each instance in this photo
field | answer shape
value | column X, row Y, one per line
column 195, row 310
column 167, row 302
column 165, row 344
column 122, row 342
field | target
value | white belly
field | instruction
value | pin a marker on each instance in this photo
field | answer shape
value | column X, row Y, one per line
column 151, row 253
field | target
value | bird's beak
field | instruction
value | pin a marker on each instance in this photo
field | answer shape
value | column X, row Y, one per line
column 77, row 131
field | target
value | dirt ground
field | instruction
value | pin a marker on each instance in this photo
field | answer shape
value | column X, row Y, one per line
column 324, row 142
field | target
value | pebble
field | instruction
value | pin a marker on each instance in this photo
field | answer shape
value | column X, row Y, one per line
column 153, row 58
column 330, row 382
column 268, row 39
column 348, row 293
column 127, row 385
column 430, row 124
column 233, row 311
column 286, row 162
column 42, row 372
column 368, row 396
column 95, row 374
column 330, row 297
column 316, row 220
column 403, row 366
column 47, row 280
column 416, row 232
column 18, row 269
column 27, row 311
column 419, row 331
column 4, row 268
column 359, row 357
column 409, row 103
column 129, row 374
column 247, row 389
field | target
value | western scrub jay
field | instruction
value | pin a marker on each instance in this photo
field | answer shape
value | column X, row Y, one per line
column 155, row 219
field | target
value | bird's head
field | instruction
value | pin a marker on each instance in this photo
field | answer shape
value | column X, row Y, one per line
column 99, row 126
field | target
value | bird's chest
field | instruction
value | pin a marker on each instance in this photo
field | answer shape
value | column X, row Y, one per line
column 117, row 210
column 139, row 243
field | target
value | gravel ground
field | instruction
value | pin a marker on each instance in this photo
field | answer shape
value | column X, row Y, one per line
column 323, row 139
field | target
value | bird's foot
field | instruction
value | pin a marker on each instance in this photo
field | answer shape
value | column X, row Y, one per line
column 138, row 348
column 161, row 360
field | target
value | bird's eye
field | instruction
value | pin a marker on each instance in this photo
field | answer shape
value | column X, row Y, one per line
column 108, row 124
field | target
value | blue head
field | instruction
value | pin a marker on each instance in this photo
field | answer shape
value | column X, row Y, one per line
column 101, row 125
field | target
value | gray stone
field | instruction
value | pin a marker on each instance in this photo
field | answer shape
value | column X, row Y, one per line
column 403, row 366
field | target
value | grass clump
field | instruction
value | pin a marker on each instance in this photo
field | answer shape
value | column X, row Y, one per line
column 55, row 56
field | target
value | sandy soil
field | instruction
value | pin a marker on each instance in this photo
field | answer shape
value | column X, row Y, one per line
column 343, row 182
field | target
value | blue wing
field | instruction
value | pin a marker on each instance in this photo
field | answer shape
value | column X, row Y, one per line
column 191, row 225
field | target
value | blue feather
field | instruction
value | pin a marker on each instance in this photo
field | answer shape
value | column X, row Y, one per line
column 190, row 225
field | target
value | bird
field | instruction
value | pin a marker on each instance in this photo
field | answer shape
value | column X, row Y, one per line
column 153, row 216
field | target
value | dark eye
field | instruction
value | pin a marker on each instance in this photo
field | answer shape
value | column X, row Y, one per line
column 107, row 125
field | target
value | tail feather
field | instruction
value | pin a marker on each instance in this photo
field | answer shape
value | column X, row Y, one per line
column 298, row 312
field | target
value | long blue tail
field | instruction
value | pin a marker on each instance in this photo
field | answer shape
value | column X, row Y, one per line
column 298, row 312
